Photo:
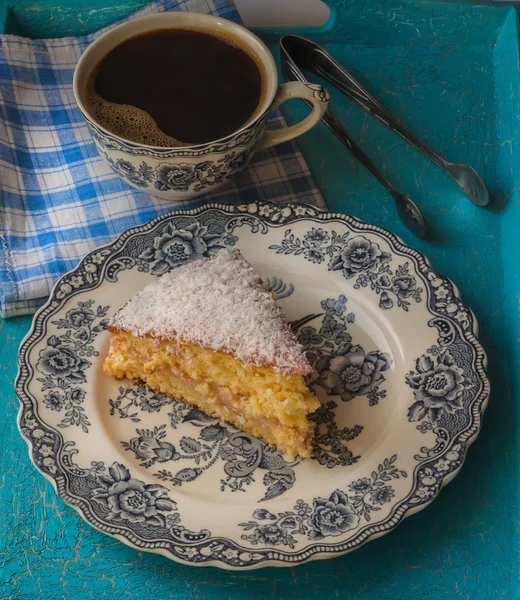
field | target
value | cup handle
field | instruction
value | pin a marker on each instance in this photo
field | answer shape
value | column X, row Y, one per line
column 313, row 94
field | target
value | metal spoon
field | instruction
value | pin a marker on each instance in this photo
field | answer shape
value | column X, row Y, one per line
column 407, row 210
column 308, row 55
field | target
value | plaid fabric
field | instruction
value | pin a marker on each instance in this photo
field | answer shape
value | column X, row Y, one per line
column 58, row 198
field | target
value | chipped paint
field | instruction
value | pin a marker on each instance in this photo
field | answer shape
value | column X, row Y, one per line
column 450, row 72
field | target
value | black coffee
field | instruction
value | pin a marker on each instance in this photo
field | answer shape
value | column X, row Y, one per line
column 175, row 87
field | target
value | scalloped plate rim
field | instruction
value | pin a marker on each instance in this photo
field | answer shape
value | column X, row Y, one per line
column 321, row 215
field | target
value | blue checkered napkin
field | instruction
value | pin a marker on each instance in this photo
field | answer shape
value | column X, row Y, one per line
column 58, row 197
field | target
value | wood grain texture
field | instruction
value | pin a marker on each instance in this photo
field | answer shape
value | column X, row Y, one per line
column 450, row 71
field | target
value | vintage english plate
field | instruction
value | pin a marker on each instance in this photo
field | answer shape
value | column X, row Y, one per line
column 398, row 369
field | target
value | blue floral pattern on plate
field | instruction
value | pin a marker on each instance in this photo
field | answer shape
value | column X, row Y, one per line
column 355, row 256
column 199, row 490
column 328, row 517
column 64, row 361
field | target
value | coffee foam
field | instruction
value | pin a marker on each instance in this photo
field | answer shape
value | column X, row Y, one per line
column 125, row 121
column 136, row 125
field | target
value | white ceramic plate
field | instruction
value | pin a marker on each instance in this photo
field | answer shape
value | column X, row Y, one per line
column 398, row 369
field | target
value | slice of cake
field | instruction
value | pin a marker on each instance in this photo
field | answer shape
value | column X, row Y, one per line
column 211, row 334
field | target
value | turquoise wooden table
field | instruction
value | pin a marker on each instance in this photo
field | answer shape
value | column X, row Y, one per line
column 450, row 71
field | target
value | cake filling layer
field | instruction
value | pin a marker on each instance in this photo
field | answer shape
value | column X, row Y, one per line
column 258, row 400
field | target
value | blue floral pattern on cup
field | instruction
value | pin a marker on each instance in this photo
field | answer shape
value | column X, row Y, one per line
column 181, row 176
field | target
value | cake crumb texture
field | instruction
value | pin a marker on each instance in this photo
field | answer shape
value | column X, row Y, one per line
column 257, row 400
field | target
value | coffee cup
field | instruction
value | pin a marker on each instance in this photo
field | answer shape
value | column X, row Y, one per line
column 184, row 172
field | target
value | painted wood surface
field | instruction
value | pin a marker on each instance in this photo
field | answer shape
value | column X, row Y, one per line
column 450, row 71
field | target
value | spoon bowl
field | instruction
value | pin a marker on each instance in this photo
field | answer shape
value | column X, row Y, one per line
column 411, row 216
column 469, row 182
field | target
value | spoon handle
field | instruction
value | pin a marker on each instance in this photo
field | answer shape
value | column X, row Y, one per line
column 325, row 66
column 408, row 212
column 330, row 120
column 342, row 134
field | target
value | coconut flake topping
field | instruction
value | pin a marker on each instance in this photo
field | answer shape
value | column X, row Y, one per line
column 220, row 303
